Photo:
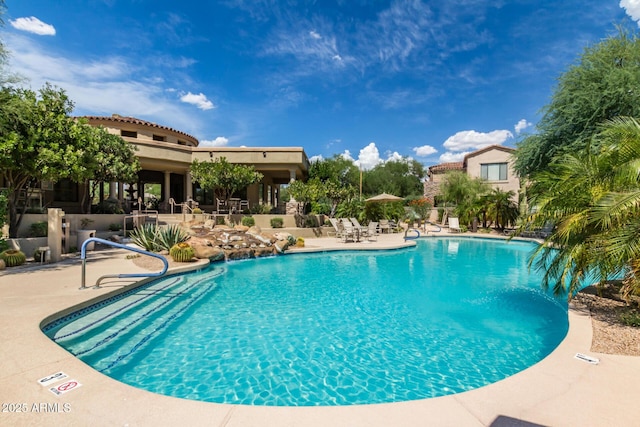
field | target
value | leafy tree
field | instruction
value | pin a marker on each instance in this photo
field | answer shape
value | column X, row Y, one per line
column 222, row 177
column 306, row 192
column 336, row 169
column 593, row 198
column 604, row 83
column 465, row 193
column 38, row 142
column 399, row 177
column 107, row 158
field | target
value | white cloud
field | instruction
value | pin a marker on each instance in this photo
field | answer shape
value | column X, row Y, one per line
column 632, row 7
column 220, row 141
column 395, row 156
column 316, row 158
column 369, row 157
column 98, row 87
column 424, row 151
column 199, row 100
column 522, row 125
column 453, row 157
column 33, row 25
column 347, row 155
column 315, row 35
column 471, row 139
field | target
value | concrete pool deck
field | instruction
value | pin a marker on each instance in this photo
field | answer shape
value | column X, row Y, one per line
column 558, row 391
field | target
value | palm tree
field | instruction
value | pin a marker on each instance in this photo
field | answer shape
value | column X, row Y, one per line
column 502, row 207
column 593, row 198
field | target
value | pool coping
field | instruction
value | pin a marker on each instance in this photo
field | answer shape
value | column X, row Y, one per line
column 559, row 390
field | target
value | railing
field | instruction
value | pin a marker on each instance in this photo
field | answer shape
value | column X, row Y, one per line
column 83, row 256
column 134, row 217
column 407, row 237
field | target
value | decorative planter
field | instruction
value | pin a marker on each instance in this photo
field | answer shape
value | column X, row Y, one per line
column 84, row 235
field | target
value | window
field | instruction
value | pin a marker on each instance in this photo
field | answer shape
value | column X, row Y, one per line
column 65, row 190
column 493, row 172
column 129, row 133
column 159, row 137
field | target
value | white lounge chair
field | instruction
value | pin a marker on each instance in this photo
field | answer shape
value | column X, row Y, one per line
column 372, row 231
column 454, row 225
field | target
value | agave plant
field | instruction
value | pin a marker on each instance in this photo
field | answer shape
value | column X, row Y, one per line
column 146, row 236
column 169, row 236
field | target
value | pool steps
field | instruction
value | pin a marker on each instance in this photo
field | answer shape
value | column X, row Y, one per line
column 124, row 327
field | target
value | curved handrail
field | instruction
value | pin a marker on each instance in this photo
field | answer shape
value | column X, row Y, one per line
column 83, row 257
column 434, row 225
column 406, row 237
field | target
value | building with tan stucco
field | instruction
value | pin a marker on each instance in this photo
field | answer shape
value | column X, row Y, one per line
column 165, row 155
column 493, row 164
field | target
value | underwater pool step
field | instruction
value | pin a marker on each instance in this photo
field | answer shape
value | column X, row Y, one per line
column 112, row 324
column 115, row 352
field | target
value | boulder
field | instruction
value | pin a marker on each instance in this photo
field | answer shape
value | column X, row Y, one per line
column 254, row 230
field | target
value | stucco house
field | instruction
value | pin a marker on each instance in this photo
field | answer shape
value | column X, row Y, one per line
column 493, row 164
column 165, row 155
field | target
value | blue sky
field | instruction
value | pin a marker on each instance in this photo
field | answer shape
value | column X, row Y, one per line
column 373, row 80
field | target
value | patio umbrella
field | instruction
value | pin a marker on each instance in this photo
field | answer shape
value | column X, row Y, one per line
column 384, row 197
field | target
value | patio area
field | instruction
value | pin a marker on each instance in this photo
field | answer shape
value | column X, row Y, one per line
column 559, row 391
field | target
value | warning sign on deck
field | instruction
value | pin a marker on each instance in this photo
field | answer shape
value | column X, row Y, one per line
column 65, row 387
column 53, row 378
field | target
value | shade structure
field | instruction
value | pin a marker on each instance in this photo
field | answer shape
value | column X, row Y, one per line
column 384, row 197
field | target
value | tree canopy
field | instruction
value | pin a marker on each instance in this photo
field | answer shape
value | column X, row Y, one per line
column 222, row 177
column 402, row 178
column 593, row 199
column 39, row 141
column 603, row 84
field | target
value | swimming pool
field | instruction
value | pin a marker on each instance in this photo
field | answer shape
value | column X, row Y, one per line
column 337, row 328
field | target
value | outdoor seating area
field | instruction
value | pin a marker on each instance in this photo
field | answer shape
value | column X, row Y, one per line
column 350, row 230
column 234, row 205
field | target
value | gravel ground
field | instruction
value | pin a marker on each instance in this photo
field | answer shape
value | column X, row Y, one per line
column 610, row 336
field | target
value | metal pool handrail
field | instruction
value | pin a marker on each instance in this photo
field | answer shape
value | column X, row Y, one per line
column 407, row 237
column 83, row 256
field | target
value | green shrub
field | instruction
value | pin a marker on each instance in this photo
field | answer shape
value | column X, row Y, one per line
column 39, row 229
column 169, row 236
column 248, row 221
column 146, row 237
column 261, row 209
column 630, row 318
column 277, row 222
column 4, row 245
column 115, row 226
column 181, row 252
column 197, row 211
column 38, row 255
column 311, row 221
column 13, row 257
column 291, row 240
column 220, row 220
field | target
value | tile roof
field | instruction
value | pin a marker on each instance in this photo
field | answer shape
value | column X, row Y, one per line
column 136, row 121
column 443, row 167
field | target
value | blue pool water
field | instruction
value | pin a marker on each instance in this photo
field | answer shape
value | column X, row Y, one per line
column 337, row 328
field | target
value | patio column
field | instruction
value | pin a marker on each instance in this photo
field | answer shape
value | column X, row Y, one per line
column 112, row 190
column 121, row 192
column 187, row 182
column 292, row 175
column 167, row 186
